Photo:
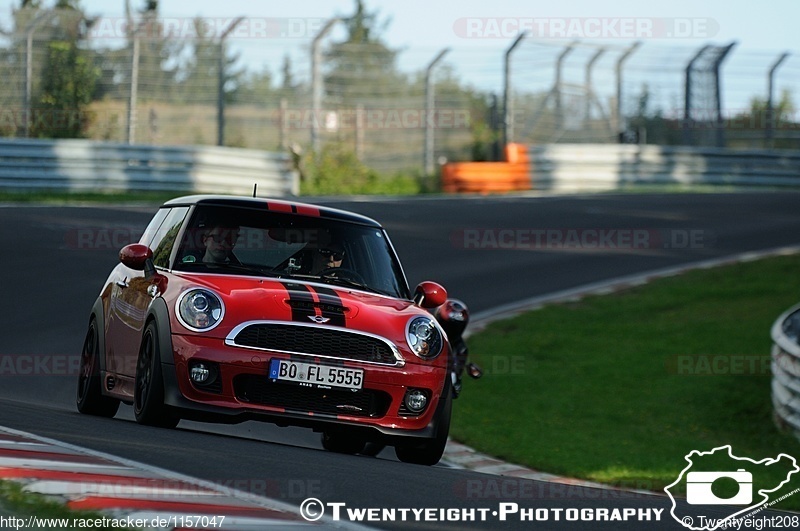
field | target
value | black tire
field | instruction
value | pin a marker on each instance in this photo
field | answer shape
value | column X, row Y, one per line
column 372, row 449
column 148, row 396
column 90, row 397
column 430, row 452
column 342, row 443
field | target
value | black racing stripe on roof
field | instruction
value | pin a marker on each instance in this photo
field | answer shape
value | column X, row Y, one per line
column 262, row 204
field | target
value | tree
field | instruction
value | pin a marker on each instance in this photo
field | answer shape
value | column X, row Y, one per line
column 158, row 54
column 288, row 78
column 255, row 87
column 68, row 76
column 362, row 67
column 758, row 119
column 199, row 75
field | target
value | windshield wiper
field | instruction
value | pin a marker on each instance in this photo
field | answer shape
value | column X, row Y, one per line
column 263, row 271
column 351, row 284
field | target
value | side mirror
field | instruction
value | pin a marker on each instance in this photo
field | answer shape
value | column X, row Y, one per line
column 135, row 256
column 429, row 294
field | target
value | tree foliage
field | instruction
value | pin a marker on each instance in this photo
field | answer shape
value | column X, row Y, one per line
column 68, row 75
column 362, row 67
column 66, row 91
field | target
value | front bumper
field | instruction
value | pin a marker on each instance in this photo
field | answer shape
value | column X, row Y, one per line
column 228, row 405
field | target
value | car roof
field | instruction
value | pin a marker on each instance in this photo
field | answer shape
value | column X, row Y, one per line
column 273, row 205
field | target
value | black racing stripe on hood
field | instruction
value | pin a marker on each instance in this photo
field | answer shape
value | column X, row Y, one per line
column 336, row 317
column 299, row 293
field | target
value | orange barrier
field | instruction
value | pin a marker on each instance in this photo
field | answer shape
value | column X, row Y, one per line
column 490, row 177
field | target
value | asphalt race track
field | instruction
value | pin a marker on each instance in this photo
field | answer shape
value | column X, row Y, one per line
column 483, row 250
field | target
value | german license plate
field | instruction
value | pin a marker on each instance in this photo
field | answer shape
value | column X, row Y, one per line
column 315, row 375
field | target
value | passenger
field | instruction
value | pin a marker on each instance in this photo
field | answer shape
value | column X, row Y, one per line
column 219, row 241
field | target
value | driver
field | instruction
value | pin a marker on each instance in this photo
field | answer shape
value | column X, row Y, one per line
column 328, row 256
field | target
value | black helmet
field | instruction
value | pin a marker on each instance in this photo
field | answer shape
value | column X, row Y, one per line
column 453, row 315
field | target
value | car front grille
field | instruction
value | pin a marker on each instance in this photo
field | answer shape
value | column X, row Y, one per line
column 316, row 341
column 295, row 398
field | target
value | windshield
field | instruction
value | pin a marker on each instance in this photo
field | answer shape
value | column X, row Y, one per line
column 246, row 241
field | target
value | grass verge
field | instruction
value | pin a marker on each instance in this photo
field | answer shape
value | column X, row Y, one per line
column 619, row 388
column 16, row 502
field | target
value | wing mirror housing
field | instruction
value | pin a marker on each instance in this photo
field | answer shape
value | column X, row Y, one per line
column 138, row 257
column 429, row 294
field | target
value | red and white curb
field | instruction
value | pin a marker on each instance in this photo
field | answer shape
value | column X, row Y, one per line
column 88, row 480
column 461, row 456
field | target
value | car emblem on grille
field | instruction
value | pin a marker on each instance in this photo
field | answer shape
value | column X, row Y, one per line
column 319, row 319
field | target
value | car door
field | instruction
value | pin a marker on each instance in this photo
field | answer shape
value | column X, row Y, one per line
column 131, row 295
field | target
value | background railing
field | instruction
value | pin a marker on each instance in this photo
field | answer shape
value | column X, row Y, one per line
column 786, row 370
column 83, row 165
column 101, row 166
column 592, row 167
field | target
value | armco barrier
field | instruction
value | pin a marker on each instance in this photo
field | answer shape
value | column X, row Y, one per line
column 786, row 370
column 83, row 165
column 589, row 167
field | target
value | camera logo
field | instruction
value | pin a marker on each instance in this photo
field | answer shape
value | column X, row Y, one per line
column 698, row 488
column 743, row 487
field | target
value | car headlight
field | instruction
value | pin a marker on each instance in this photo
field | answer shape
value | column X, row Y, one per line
column 200, row 309
column 424, row 337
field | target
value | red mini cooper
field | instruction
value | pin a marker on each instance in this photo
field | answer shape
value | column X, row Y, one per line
column 232, row 309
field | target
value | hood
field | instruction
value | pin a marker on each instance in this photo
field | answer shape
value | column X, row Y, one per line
column 266, row 299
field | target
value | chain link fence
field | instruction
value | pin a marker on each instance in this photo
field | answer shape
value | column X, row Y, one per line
column 176, row 82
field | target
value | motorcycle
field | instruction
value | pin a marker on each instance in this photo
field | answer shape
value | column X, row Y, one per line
column 453, row 316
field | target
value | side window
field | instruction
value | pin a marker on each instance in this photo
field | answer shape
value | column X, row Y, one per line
column 152, row 228
column 165, row 237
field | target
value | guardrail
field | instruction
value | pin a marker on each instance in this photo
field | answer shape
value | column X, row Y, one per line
column 82, row 165
column 590, row 167
column 786, row 370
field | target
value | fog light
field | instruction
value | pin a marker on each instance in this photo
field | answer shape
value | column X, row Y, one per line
column 416, row 400
column 199, row 373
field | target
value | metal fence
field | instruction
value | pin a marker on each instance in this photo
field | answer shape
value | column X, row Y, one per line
column 397, row 110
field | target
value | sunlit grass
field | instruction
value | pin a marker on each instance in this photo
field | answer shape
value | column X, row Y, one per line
column 619, row 388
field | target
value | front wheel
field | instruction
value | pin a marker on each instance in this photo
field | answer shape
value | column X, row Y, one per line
column 90, row 399
column 430, row 452
column 148, row 395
